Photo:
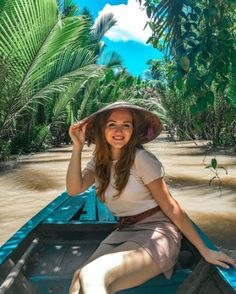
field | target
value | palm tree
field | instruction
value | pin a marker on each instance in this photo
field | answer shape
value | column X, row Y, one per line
column 42, row 55
column 45, row 54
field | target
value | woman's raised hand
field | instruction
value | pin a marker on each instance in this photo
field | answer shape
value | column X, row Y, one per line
column 77, row 135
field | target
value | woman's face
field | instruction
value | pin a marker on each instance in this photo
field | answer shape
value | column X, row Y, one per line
column 118, row 129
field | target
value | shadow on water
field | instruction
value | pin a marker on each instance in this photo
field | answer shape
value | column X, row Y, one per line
column 29, row 178
column 222, row 182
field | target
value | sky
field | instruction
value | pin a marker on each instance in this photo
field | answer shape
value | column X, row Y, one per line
column 128, row 37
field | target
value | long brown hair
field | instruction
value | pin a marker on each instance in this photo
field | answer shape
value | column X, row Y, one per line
column 102, row 153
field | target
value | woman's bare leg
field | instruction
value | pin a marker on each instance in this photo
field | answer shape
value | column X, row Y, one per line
column 101, row 250
column 129, row 265
column 148, row 270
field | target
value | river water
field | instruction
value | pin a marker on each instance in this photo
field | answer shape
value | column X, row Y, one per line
column 36, row 179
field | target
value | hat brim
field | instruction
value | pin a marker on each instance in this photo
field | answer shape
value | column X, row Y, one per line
column 151, row 124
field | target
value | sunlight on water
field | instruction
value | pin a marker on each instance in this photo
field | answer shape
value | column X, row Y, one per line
column 38, row 178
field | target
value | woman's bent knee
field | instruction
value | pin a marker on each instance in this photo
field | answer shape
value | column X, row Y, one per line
column 89, row 271
column 92, row 278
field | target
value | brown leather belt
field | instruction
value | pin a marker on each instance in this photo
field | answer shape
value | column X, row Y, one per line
column 129, row 220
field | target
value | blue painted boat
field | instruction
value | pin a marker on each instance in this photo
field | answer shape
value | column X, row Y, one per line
column 42, row 256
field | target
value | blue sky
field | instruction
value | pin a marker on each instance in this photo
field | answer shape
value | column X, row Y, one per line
column 128, row 38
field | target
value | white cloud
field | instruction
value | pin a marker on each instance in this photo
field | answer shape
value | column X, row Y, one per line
column 131, row 20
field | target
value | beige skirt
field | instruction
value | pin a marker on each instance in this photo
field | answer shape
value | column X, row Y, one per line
column 157, row 235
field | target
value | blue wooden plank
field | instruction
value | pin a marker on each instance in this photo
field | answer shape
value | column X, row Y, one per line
column 229, row 275
column 159, row 284
column 66, row 211
column 89, row 210
column 46, row 284
column 82, row 222
column 21, row 234
column 104, row 214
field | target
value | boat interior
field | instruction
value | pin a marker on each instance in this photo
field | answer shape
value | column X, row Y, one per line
column 45, row 261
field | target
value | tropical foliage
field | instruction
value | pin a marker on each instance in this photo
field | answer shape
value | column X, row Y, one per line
column 120, row 85
column 53, row 70
column 199, row 70
column 46, row 57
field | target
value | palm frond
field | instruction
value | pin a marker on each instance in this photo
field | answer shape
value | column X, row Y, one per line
column 111, row 59
column 62, row 83
column 37, row 56
column 24, row 30
column 90, row 86
column 167, row 20
column 65, row 61
column 103, row 24
column 57, row 86
column 62, row 101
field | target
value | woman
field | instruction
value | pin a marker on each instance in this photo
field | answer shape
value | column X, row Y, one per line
column 130, row 180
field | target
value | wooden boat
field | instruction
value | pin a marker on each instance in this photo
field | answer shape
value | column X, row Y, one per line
column 42, row 256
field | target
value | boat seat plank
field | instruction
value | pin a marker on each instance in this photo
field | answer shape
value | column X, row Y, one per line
column 59, row 259
column 46, row 261
column 89, row 210
column 67, row 210
column 104, row 214
column 76, row 255
column 49, row 284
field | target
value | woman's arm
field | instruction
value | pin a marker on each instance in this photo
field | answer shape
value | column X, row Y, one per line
column 76, row 182
column 173, row 210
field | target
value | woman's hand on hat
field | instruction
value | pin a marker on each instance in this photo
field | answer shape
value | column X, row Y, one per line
column 77, row 135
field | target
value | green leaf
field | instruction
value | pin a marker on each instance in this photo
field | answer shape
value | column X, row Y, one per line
column 197, row 10
column 214, row 163
column 186, row 95
column 201, row 103
column 197, row 48
column 194, row 16
column 205, row 55
column 191, row 43
column 193, row 110
column 179, row 82
column 187, row 26
column 209, row 78
column 149, row 12
column 191, row 81
column 210, row 98
column 198, row 125
column 189, row 2
column 152, row 25
column 213, row 11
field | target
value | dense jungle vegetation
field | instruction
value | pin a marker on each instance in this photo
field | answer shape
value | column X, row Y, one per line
column 50, row 74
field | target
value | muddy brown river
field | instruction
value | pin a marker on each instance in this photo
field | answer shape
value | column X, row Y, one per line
column 36, row 179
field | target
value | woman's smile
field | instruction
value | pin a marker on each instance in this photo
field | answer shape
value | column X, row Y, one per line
column 118, row 130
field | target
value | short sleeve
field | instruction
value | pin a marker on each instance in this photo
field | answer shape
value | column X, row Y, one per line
column 149, row 168
column 90, row 166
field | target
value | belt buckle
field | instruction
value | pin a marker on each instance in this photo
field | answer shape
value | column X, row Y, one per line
column 129, row 220
column 125, row 221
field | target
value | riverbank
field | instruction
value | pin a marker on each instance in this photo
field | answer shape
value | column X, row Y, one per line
column 36, row 179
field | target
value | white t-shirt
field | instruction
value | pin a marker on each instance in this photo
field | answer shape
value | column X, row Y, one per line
column 135, row 197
